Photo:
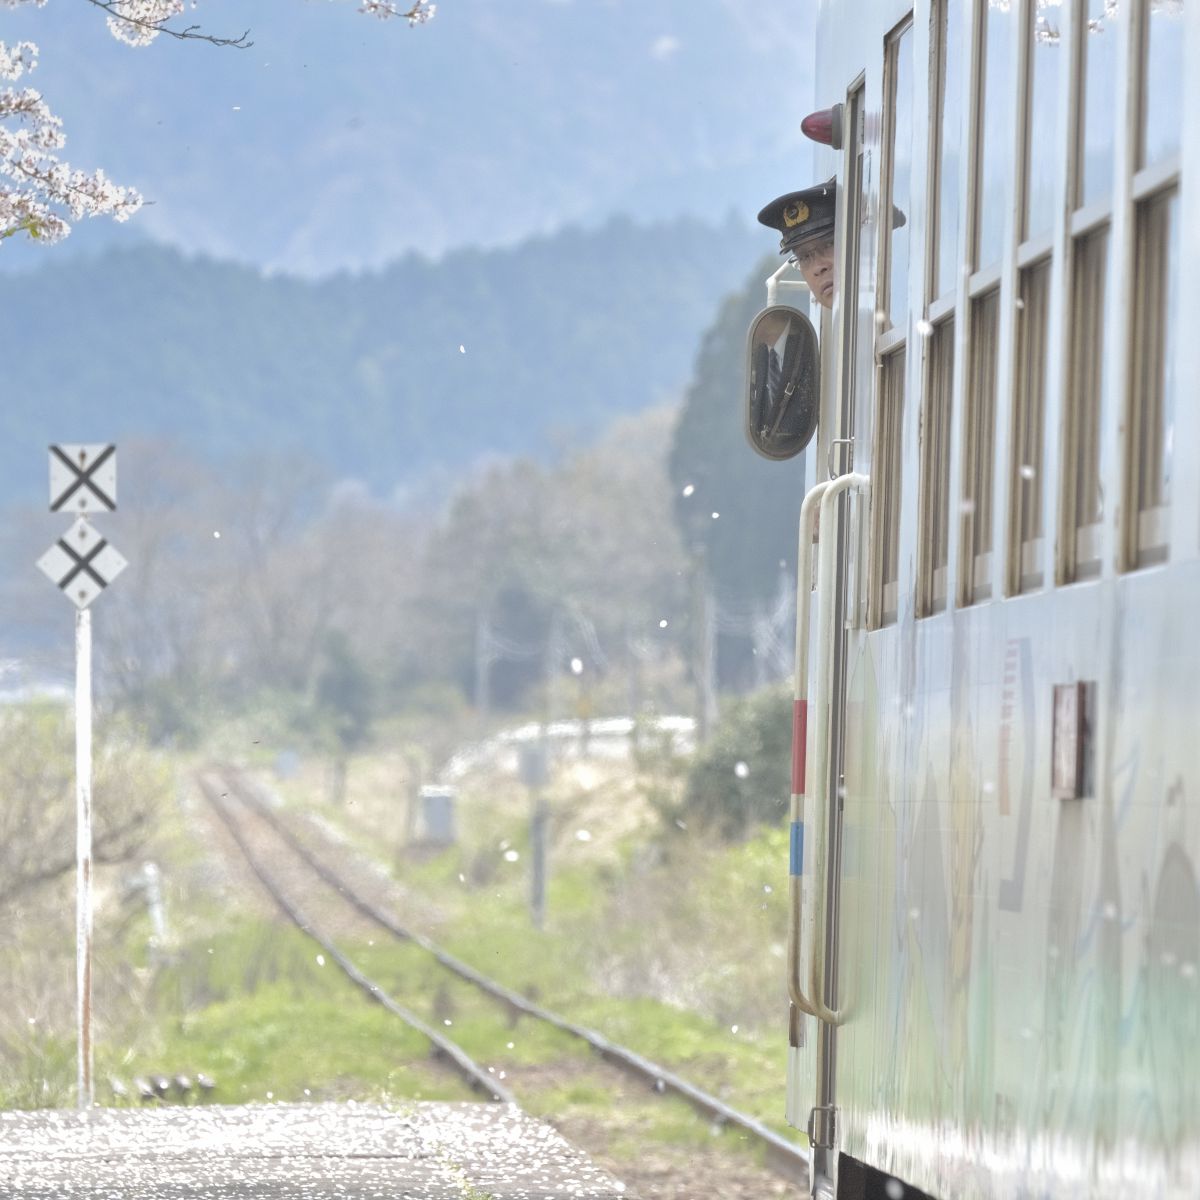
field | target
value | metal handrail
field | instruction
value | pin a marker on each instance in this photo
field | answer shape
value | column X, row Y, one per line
column 804, row 573
column 825, row 807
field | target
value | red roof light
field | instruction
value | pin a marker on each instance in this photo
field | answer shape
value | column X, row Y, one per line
column 824, row 126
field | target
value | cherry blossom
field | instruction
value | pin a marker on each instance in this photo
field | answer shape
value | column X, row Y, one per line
column 40, row 194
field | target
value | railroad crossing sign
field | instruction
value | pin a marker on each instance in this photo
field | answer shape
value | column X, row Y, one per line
column 83, row 478
column 82, row 563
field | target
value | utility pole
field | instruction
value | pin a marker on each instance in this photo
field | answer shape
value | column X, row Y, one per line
column 533, row 776
column 538, row 773
column 483, row 661
column 704, row 609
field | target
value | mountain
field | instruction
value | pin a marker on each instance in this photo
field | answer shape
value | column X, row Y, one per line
column 384, row 377
column 339, row 141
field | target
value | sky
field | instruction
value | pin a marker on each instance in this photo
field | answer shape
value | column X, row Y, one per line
column 337, row 141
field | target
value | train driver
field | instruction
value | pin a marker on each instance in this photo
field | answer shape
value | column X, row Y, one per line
column 806, row 220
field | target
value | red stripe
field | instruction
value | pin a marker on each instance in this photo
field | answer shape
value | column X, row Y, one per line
column 799, row 745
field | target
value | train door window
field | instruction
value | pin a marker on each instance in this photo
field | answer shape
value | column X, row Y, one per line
column 1081, row 502
column 885, row 490
column 934, row 500
column 1039, row 68
column 1024, row 570
column 850, row 214
column 1094, row 162
column 1152, row 384
column 1044, row 37
column 994, row 165
column 896, row 205
column 896, row 208
column 946, row 112
column 979, row 438
column 1161, row 109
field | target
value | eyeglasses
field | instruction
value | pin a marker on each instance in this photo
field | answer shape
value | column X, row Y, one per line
column 806, row 258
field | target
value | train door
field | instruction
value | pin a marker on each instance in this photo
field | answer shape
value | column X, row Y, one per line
column 831, row 508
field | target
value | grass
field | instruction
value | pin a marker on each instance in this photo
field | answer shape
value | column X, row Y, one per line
column 673, row 949
column 663, row 946
column 255, row 1010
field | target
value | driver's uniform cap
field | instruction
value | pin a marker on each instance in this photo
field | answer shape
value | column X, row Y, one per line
column 804, row 218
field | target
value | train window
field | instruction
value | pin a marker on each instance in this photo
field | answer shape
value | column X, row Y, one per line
column 886, row 491
column 1081, row 503
column 996, row 131
column 947, row 141
column 979, row 437
column 1028, row 430
column 1152, row 390
column 1162, row 86
column 897, row 200
column 1097, row 102
column 933, row 549
column 1043, row 156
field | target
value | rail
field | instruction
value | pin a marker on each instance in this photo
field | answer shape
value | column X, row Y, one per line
column 478, row 1078
column 781, row 1155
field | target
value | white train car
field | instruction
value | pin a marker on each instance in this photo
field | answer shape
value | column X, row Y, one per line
column 996, row 961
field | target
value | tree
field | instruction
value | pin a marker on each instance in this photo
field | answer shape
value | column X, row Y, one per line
column 41, row 194
column 37, row 809
column 548, row 564
column 756, row 503
column 740, row 779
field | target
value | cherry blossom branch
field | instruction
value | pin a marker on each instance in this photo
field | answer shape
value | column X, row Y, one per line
column 414, row 14
column 139, row 22
column 47, row 190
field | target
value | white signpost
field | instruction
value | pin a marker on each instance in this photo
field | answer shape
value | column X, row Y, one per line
column 83, row 479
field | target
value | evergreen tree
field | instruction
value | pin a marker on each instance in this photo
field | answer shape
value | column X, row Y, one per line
column 713, row 469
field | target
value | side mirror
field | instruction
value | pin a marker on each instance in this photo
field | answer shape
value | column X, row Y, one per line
column 783, row 382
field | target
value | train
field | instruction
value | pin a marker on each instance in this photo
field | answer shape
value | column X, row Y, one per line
column 994, row 956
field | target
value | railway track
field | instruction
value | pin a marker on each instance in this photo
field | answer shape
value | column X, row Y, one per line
column 218, row 785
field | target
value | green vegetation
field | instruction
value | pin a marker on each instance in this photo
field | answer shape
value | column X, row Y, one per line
column 714, row 470
column 259, row 1011
column 37, row 797
column 363, row 374
column 667, row 940
column 741, row 778
column 662, row 934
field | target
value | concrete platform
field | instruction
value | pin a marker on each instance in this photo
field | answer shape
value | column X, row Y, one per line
column 297, row 1152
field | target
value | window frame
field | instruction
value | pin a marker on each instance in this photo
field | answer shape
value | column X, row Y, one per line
column 1080, row 546
column 1145, row 534
column 977, row 516
column 883, row 276
column 934, row 474
column 940, row 303
column 1026, row 556
column 887, row 463
column 887, row 488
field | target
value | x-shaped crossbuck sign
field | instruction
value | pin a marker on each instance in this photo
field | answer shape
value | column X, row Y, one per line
column 83, row 478
column 82, row 563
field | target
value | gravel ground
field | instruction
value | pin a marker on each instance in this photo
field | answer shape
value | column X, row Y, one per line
column 298, row 1152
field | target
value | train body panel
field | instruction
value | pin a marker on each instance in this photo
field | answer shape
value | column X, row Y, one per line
column 1015, row 951
column 1021, row 970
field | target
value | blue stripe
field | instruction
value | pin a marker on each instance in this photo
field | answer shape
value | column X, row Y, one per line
column 797, row 848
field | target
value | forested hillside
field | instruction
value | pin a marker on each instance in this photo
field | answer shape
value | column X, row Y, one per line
column 384, row 377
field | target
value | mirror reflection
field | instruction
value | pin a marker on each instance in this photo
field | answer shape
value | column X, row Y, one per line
column 783, row 382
